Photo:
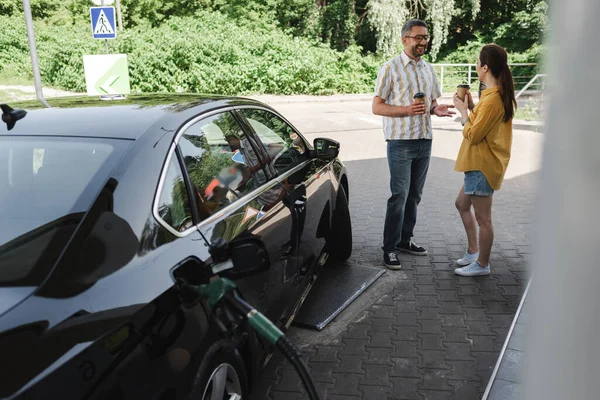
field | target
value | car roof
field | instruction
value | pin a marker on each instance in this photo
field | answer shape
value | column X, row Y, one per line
column 128, row 118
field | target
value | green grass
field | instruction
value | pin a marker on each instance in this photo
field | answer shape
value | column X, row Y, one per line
column 529, row 111
column 527, row 115
column 10, row 76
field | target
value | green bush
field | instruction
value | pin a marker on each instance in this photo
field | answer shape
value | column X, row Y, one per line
column 207, row 53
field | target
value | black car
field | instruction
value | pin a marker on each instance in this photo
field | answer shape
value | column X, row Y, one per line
column 108, row 206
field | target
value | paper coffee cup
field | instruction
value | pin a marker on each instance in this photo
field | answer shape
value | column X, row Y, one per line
column 419, row 97
column 461, row 90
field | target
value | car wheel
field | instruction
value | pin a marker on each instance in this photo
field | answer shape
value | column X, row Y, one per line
column 223, row 376
column 339, row 242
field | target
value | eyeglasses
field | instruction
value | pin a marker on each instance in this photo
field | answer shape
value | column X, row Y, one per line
column 420, row 38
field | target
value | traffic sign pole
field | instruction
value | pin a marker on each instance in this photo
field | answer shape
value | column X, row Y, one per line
column 33, row 53
column 105, row 40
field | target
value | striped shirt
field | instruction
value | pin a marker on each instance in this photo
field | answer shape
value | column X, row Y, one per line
column 397, row 82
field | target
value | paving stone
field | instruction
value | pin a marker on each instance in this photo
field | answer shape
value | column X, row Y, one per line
column 405, row 367
column 448, row 295
column 481, row 343
column 427, row 289
column 462, row 370
column 458, row 351
column 427, row 301
column 451, row 308
column 405, row 333
column 486, row 360
column 386, row 312
column 375, row 392
column 453, row 319
column 381, row 339
column 346, row 384
column 431, row 342
column 432, row 326
column 322, row 371
column 446, row 284
column 351, row 363
column 480, row 328
column 472, row 301
column 279, row 395
column 357, row 331
column 501, row 320
column 429, row 312
column 476, row 314
column 405, row 389
column 377, row 375
column 405, row 349
column 455, row 335
column 424, row 279
column 406, row 319
column 381, row 325
column 436, row 379
column 465, row 390
column 354, row 346
column 289, row 381
column 435, row 395
column 433, row 359
column 344, row 397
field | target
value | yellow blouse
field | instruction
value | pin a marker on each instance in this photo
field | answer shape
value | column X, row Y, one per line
column 487, row 140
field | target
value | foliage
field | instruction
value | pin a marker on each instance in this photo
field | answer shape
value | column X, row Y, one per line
column 387, row 17
column 517, row 25
column 439, row 12
column 339, row 24
column 208, row 53
column 525, row 29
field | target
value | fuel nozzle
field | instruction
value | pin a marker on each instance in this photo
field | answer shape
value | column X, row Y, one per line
column 223, row 289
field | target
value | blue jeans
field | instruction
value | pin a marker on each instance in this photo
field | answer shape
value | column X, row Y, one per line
column 477, row 185
column 408, row 161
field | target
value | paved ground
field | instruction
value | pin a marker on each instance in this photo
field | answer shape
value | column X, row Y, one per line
column 422, row 333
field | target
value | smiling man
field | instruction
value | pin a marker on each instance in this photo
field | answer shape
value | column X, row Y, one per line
column 408, row 132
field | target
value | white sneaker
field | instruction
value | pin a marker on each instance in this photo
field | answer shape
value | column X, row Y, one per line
column 467, row 258
column 473, row 269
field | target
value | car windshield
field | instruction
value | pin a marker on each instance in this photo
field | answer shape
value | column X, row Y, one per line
column 46, row 186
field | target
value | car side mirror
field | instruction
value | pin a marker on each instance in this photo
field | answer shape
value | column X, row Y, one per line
column 326, row 149
column 240, row 258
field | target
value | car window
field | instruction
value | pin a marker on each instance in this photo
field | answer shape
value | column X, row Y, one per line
column 174, row 203
column 284, row 146
column 47, row 184
column 221, row 162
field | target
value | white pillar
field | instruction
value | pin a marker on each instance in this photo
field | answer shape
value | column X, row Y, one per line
column 564, row 344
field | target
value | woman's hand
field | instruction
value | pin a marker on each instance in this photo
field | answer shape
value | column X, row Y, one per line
column 469, row 98
column 461, row 106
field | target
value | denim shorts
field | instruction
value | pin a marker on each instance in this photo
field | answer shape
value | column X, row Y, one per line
column 476, row 184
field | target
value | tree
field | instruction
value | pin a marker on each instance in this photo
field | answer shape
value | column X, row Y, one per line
column 388, row 16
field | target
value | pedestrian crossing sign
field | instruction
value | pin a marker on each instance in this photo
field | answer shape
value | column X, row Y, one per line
column 103, row 22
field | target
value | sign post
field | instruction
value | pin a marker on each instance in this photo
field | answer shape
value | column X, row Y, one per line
column 37, row 80
column 103, row 23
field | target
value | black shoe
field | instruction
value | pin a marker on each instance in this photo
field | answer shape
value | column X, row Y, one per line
column 410, row 247
column 390, row 259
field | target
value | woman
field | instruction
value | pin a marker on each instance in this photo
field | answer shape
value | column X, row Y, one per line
column 484, row 155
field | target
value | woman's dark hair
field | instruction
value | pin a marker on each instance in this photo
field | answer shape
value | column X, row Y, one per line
column 496, row 59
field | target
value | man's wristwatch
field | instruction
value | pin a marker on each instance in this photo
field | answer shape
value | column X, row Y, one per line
column 464, row 120
column 433, row 109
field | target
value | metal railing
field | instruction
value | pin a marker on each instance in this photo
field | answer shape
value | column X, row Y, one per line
column 451, row 75
column 531, row 83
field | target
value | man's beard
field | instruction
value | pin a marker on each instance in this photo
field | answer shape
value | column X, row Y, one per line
column 416, row 53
